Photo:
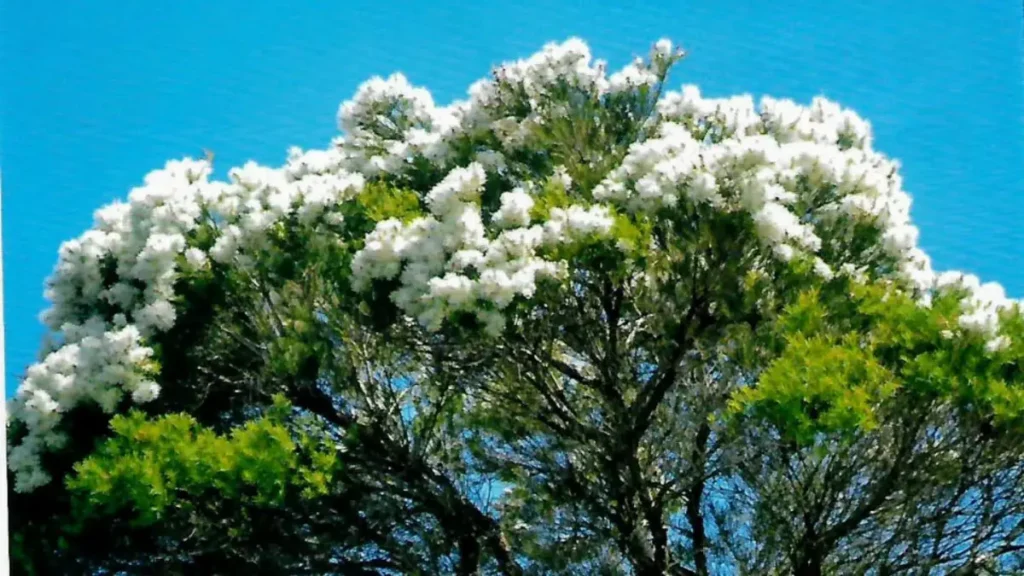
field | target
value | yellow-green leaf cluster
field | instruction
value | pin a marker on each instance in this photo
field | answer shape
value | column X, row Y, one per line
column 552, row 195
column 819, row 385
column 150, row 466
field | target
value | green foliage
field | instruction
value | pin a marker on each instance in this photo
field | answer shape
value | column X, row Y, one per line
column 379, row 201
column 150, row 466
column 632, row 232
column 849, row 348
column 551, row 195
column 819, row 386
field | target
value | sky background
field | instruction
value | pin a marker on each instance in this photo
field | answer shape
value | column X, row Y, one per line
column 95, row 95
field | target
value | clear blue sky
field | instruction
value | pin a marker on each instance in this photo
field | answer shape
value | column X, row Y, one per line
column 94, row 97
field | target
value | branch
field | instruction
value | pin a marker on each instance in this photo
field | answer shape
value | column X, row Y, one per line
column 650, row 397
column 435, row 490
column 694, row 496
column 882, row 492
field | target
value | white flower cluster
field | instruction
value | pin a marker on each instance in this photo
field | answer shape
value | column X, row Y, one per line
column 111, row 287
column 100, row 366
column 515, row 209
column 114, row 287
column 569, row 62
column 138, row 243
column 445, row 262
column 636, row 74
column 310, row 186
column 545, row 73
column 983, row 307
column 389, row 122
column 762, row 157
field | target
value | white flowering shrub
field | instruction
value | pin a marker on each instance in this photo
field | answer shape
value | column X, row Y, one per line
column 551, row 179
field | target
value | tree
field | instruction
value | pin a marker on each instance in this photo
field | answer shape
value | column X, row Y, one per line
column 574, row 324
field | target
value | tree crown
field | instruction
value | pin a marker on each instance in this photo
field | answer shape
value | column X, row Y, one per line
column 684, row 332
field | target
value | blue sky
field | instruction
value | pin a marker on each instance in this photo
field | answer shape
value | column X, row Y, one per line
column 92, row 98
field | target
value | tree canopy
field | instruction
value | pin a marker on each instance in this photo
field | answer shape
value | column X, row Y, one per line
column 577, row 323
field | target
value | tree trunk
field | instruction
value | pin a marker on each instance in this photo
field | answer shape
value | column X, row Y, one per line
column 810, row 566
column 479, row 533
column 469, row 556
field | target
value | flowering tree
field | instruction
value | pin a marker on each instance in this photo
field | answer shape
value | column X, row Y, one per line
column 574, row 324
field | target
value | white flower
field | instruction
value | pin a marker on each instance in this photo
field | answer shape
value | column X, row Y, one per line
column 515, row 209
column 633, row 75
column 454, row 289
column 459, row 186
column 145, row 392
column 662, row 49
column 196, row 257
column 561, row 175
column 157, row 316
column 566, row 224
column 466, row 259
column 822, row 269
column 998, row 343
